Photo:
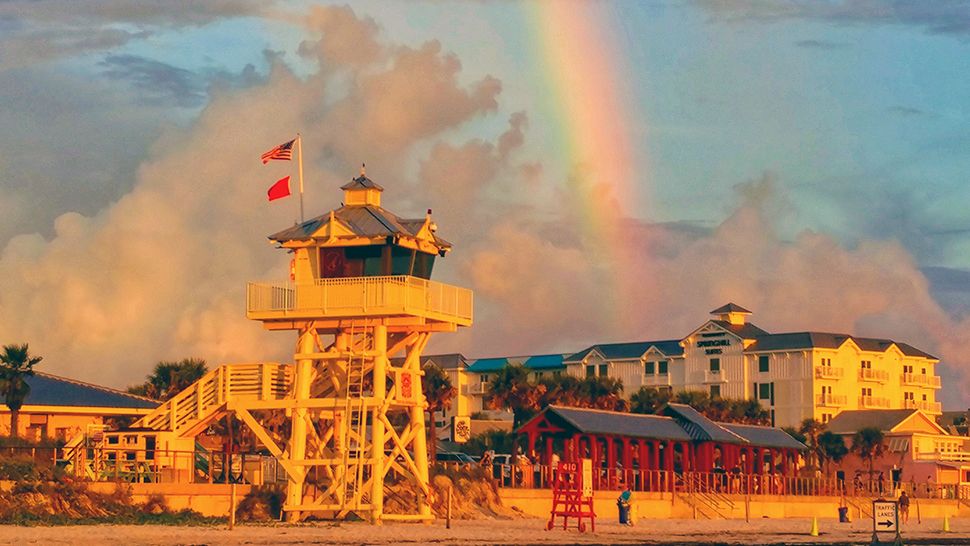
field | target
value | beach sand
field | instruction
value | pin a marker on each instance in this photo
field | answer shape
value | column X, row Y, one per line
column 515, row 532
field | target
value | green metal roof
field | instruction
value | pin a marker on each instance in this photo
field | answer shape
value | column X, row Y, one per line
column 545, row 362
column 485, row 365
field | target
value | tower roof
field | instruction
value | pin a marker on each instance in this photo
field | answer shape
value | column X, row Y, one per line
column 362, row 183
column 730, row 308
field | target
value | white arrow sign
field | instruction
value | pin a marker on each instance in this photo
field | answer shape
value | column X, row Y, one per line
column 884, row 516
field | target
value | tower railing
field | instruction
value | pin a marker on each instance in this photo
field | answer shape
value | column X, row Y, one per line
column 360, row 296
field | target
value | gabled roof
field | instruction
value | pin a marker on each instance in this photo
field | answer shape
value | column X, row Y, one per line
column 743, row 331
column 698, row 425
column 52, row 390
column 824, row 340
column 670, row 347
column 483, row 365
column 730, row 308
column 850, row 421
column 363, row 221
column 765, row 436
column 662, row 427
column 591, row 421
column 544, row 362
column 628, row 351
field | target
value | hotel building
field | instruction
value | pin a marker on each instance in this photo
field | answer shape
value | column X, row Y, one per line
column 795, row 375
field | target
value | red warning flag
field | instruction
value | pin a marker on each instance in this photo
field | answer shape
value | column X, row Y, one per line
column 280, row 189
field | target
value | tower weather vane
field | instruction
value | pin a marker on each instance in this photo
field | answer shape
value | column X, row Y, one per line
column 284, row 152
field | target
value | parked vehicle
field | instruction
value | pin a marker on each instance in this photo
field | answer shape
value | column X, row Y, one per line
column 454, row 457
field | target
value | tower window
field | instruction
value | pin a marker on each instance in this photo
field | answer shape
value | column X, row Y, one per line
column 763, row 363
column 715, row 365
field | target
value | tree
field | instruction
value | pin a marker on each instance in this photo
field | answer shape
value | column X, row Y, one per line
column 16, row 365
column 831, row 447
column 439, row 392
column 794, row 433
column 603, row 393
column 511, row 389
column 810, row 430
column 649, row 400
column 564, row 390
column 170, row 378
column 867, row 443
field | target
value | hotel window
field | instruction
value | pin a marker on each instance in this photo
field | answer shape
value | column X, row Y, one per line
column 648, row 367
column 763, row 363
column 591, row 370
column 764, row 391
column 867, row 391
column 715, row 365
column 826, row 417
column 662, row 367
column 924, row 371
column 604, row 370
column 826, row 362
column 924, row 398
column 909, row 396
column 866, row 364
column 715, row 391
column 907, row 369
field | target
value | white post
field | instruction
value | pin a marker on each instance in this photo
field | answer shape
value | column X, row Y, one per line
column 299, row 161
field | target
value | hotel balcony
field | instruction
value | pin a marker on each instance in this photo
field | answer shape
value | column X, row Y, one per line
column 830, row 400
column 873, row 402
column 868, row 374
column 922, row 380
column 928, row 407
column 656, row 380
column 355, row 297
column 476, row 388
column 714, row 377
column 828, row 372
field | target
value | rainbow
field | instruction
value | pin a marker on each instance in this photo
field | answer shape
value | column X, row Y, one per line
column 583, row 73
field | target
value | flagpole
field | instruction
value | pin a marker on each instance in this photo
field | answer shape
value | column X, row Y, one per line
column 299, row 160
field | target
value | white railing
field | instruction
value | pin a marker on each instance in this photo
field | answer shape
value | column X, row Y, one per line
column 929, row 407
column 828, row 372
column 873, row 402
column 714, row 377
column 868, row 374
column 830, row 400
column 922, row 379
column 957, row 456
column 476, row 388
column 360, row 296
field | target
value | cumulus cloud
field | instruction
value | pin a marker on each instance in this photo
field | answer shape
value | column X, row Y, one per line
column 160, row 274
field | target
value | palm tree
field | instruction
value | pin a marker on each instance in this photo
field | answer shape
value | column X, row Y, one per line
column 867, row 443
column 604, row 393
column 439, row 392
column 831, row 448
column 810, row 429
column 16, row 365
column 649, row 400
column 170, row 378
column 511, row 389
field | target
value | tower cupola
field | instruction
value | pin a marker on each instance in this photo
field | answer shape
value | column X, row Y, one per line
column 362, row 190
column 732, row 313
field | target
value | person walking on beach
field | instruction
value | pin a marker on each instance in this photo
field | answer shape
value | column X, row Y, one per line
column 904, row 507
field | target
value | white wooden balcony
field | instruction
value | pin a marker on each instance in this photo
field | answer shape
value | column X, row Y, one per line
column 829, row 372
column 476, row 388
column 924, row 405
column 830, row 400
column 352, row 297
column 922, row 380
column 873, row 402
column 869, row 374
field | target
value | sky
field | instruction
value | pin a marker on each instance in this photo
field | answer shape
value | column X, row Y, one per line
column 607, row 171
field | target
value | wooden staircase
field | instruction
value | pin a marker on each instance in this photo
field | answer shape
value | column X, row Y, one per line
column 191, row 410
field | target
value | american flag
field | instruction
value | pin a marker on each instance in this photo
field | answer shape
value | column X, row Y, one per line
column 283, row 152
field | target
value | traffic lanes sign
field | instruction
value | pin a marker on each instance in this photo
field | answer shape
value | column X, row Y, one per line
column 885, row 516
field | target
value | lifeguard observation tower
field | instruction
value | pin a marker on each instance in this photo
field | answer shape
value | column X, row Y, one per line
column 343, row 423
column 359, row 293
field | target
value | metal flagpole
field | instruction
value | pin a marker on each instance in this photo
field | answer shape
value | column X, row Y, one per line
column 299, row 160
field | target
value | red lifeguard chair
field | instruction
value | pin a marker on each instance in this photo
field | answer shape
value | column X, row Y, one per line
column 572, row 495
